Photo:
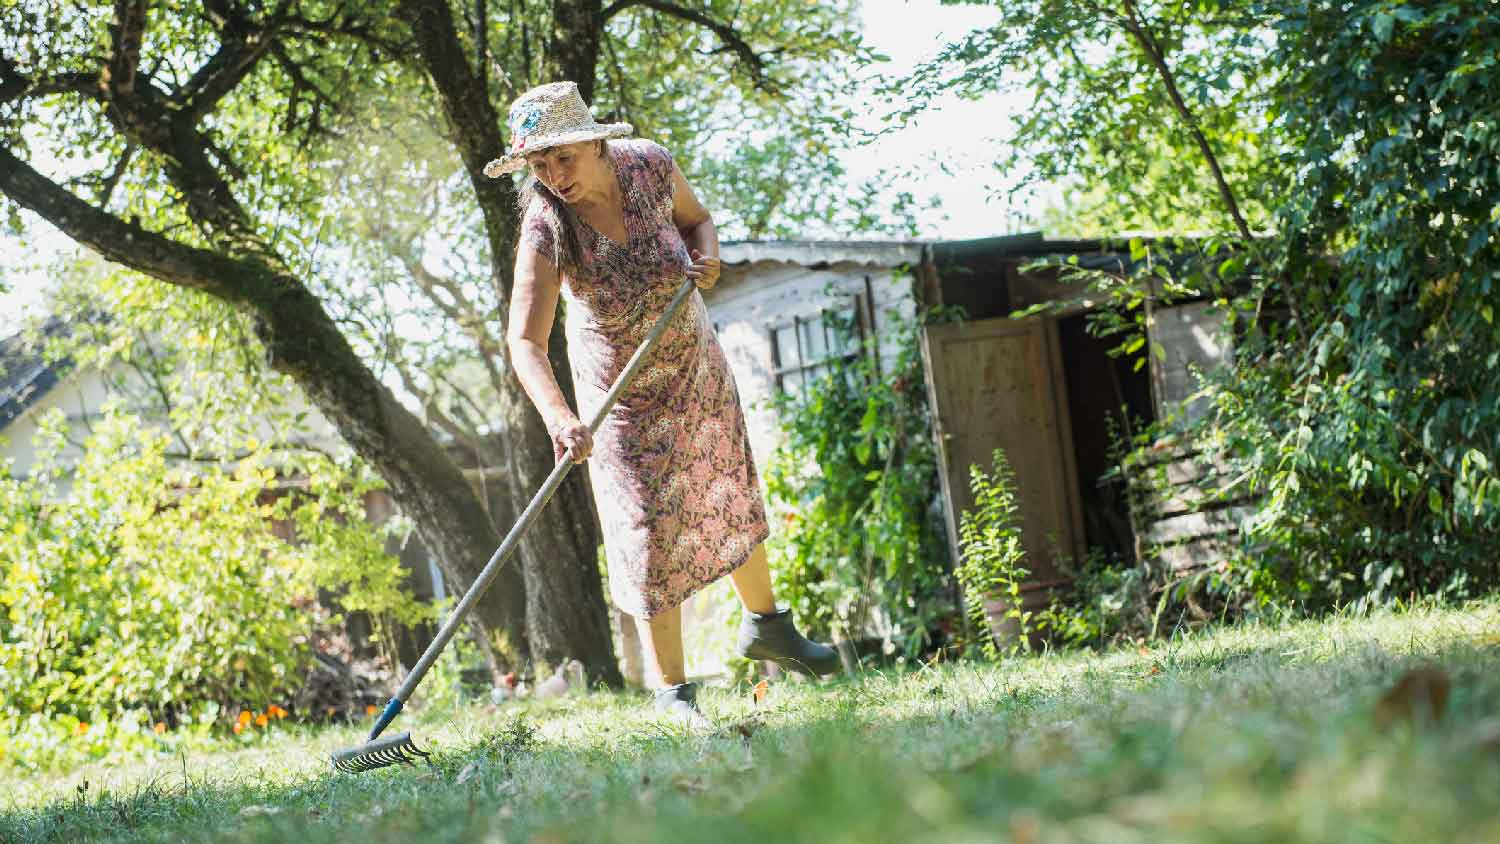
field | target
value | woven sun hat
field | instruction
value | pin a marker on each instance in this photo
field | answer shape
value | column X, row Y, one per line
column 549, row 116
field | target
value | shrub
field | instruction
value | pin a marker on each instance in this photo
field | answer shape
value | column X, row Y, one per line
column 130, row 583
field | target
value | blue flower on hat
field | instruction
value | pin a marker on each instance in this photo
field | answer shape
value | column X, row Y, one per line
column 524, row 117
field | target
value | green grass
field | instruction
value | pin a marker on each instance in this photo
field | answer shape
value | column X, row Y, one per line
column 1241, row 734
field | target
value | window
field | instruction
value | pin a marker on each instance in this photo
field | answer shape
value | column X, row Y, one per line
column 806, row 346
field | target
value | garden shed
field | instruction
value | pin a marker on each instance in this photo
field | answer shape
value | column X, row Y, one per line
column 1039, row 387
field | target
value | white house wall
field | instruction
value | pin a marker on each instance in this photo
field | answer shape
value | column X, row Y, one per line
column 752, row 298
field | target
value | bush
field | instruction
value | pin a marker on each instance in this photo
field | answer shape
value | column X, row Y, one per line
column 129, row 583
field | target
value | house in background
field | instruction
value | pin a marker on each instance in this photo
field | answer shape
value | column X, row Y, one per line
column 1041, row 388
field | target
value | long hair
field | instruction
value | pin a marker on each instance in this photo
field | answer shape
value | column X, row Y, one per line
column 567, row 251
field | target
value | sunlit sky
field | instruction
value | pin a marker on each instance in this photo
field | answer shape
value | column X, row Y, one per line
column 954, row 146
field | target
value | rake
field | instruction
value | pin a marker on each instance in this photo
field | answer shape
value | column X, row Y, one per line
column 377, row 752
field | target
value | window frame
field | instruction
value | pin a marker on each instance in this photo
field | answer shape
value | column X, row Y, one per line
column 856, row 302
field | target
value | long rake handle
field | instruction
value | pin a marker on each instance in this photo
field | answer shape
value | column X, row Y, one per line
column 503, row 554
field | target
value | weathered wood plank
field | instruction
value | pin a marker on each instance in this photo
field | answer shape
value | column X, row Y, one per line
column 1189, row 556
column 1180, row 500
column 1192, row 525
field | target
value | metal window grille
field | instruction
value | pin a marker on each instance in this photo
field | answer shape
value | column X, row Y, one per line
column 805, row 347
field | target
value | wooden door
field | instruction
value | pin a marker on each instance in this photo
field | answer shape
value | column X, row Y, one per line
column 999, row 383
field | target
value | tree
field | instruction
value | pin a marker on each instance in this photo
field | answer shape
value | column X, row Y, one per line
column 1152, row 113
column 211, row 167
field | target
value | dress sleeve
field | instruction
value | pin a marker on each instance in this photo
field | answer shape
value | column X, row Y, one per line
column 538, row 231
column 660, row 164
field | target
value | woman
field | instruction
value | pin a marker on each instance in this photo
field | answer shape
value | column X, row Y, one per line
column 614, row 227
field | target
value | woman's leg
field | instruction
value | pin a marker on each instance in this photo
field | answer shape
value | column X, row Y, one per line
column 752, row 582
column 662, row 636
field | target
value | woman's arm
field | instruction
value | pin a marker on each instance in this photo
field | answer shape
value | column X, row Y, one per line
column 533, row 302
column 698, row 231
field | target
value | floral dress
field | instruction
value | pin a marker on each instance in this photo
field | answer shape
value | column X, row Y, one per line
column 673, row 475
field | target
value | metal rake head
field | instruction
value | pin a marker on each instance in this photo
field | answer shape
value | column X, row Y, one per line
column 392, row 750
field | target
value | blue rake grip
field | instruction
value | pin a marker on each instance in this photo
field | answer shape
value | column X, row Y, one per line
column 392, row 709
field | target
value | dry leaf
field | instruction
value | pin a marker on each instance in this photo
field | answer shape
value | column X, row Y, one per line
column 760, row 691
column 468, row 772
column 1420, row 695
column 691, row 785
column 1025, row 828
column 1486, row 735
column 251, row 811
column 744, row 728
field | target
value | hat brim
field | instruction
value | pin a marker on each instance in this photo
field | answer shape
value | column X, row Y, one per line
column 513, row 161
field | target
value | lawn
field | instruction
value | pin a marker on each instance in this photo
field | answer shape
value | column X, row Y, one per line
column 1252, row 733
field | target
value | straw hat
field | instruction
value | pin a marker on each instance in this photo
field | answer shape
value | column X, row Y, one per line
column 549, row 116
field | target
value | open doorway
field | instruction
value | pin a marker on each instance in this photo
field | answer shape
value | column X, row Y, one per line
column 1107, row 400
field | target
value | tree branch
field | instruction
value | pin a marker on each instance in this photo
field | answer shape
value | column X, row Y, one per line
column 241, row 47
column 126, row 243
column 126, row 31
column 113, row 180
column 753, row 61
column 14, row 86
column 1134, row 25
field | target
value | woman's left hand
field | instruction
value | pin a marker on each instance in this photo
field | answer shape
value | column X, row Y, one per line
column 705, row 270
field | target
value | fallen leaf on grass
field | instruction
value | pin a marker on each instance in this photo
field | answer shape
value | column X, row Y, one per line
column 468, row 772
column 744, row 728
column 252, row 811
column 691, row 785
column 1420, row 695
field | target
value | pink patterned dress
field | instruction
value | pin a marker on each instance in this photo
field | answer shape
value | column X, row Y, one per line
column 673, row 475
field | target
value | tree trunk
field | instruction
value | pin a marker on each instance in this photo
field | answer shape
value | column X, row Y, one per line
column 565, row 610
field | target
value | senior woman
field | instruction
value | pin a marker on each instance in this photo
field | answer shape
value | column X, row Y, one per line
column 613, row 227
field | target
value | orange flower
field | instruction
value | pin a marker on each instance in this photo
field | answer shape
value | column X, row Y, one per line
column 277, row 712
column 159, row 727
column 238, row 727
column 80, row 729
column 371, row 709
column 245, row 717
column 261, row 720
column 761, row 690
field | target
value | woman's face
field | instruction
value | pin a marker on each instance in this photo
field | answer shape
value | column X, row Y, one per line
column 572, row 171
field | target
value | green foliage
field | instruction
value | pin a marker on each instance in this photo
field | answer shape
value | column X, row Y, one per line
column 991, row 565
column 852, row 487
column 1372, row 426
column 133, row 582
column 1101, row 124
column 1363, row 408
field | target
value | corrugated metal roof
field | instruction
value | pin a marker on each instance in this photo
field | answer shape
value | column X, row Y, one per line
column 888, row 253
column 892, row 253
column 25, row 373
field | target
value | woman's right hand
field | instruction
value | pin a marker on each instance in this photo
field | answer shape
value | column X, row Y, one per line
column 572, row 439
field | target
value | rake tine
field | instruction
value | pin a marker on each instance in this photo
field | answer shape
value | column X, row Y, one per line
column 395, row 750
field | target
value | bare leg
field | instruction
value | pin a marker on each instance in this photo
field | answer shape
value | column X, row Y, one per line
column 662, row 636
column 752, row 582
